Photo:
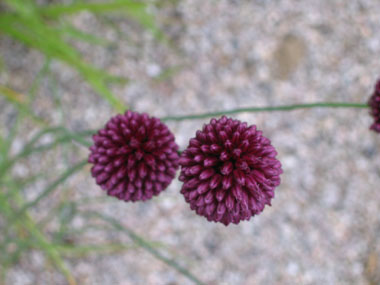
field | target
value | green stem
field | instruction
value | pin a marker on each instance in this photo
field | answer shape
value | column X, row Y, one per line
column 267, row 109
column 37, row 238
column 52, row 186
column 138, row 240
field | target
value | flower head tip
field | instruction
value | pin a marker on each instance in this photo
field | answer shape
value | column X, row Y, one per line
column 374, row 104
column 229, row 171
column 134, row 156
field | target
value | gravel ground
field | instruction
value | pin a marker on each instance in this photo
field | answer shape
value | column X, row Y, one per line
column 323, row 226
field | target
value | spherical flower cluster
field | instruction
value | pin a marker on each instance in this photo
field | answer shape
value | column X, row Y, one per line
column 229, row 171
column 374, row 104
column 134, row 157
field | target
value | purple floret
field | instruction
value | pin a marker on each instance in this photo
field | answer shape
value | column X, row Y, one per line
column 230, row 171
column 374, row 104
column 134, row 157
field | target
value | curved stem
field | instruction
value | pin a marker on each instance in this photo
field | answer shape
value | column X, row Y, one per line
column 267, row 109
column 145, row 245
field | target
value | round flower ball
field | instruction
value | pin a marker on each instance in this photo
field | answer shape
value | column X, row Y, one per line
column 134, row 157
column 374, row 104
column 229, row 171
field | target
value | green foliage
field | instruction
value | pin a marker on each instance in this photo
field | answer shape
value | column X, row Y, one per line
column 44, row 28
column 48, row 30
column 22, row 232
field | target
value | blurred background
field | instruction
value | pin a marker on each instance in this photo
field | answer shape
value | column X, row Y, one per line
column 67, row 66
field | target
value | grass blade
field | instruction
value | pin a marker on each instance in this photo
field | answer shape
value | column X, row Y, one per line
column 25, row 224
column 35, row 33
column 20, row 101
column 29, row 148
column 49, row 249
column 49, row 189
column 86, row 37
column 58, row 10
column 145, row 245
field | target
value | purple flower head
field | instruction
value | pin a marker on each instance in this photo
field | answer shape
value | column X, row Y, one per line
column 134, row 156
column 374, row 104
column 229, row 171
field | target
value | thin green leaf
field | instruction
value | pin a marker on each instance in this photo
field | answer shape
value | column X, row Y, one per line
column 86, row 37
column 24, row 222
column 145, row 245
column 80, row 251
column 266, row 109
column 20, row 101
column 29, row 148
column 55, row 11
column 49, row 189
column 37, row 34
column 49, row 249
column 67, row 212
column 136, row 10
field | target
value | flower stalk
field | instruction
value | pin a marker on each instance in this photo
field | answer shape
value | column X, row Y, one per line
column 267, row 109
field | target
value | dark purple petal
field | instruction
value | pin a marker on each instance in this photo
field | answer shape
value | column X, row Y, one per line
column 134, row 156
column 374, row 104
column 229, row 171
